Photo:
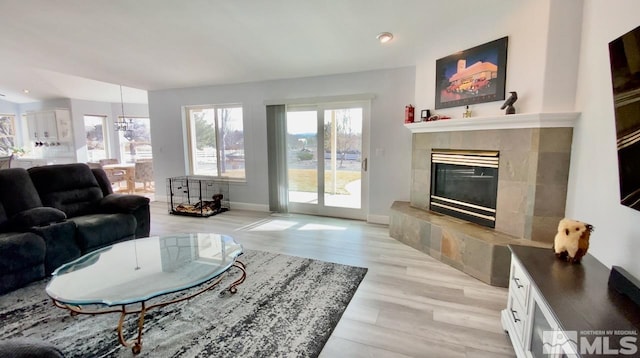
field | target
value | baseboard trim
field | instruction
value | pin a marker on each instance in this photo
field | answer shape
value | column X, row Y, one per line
column 160, row 198
column 373, row 219
column 234, row 205
column 378, row 219
column 249, row 206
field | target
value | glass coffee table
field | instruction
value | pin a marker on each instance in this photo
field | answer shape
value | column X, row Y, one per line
column 123, row 277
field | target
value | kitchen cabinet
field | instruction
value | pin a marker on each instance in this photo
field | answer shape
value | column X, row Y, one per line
column 50, row 127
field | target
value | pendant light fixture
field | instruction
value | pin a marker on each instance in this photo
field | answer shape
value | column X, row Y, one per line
column 121, row 123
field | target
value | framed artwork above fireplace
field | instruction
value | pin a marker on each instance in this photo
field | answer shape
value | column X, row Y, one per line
column 475, row 75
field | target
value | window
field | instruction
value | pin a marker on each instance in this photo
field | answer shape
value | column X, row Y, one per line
column 135, row 142
column 94, row 132
column 216, row 141
column 7, row 134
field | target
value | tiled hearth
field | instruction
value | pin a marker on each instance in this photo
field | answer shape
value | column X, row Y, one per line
column 476, row 250
column 534, row 154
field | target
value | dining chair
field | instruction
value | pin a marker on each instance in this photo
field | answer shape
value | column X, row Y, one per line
column 5, row 162
column 144, row 174
column 115, row 176
column 109, row 161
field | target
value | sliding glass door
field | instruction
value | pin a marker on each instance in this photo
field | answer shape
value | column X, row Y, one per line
column 327, row 159
column 302, row 155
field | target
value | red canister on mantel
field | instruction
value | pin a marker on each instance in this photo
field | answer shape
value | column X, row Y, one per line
column 409, row 113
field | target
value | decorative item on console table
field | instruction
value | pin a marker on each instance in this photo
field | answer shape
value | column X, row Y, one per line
column 622, row 281
column 572, row 240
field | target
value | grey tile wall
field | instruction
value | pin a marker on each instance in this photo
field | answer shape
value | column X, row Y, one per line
column 532, row 178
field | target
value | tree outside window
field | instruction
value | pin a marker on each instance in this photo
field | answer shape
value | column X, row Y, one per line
column 348, row 139
column 95, row 138
column 135, row 142
column 216, row 132
column 7, row 135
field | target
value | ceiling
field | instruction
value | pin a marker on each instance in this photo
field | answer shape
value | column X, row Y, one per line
column 85, row 49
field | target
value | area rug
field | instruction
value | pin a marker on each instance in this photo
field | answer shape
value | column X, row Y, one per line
column 287, row 307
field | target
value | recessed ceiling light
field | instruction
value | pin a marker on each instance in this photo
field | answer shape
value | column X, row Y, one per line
column 384, row 37
column 26, row 91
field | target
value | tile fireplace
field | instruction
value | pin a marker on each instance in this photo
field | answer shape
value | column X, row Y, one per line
column 524, row 161
column 532, row 175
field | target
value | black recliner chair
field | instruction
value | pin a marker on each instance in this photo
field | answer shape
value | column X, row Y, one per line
column 22, row 252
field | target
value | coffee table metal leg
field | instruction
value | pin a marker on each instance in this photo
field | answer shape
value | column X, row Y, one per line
column 242, row 267
column 136, row 345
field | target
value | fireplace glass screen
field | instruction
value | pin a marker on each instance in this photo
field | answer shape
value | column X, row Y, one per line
column 464, row 184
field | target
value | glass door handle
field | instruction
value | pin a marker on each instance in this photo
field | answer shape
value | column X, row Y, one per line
column 365, row 164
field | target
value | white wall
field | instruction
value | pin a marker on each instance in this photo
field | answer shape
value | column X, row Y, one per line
column 593, row 181
column 542, row 57
column 563, row 47
column 8, row 107
column 526, row 25
column 390, row 141
column 44, row 105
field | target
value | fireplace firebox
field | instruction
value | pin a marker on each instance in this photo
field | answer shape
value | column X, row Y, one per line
column 464, row 184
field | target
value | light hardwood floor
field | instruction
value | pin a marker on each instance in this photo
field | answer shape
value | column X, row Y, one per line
column 408, row 305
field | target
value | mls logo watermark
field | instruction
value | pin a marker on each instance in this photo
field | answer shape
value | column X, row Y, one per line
column 576, row 343
column 559, row 342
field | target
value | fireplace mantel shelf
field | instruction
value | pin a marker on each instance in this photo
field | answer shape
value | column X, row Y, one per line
column 514, row 121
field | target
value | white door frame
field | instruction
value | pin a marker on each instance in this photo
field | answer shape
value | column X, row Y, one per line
column 320, row 208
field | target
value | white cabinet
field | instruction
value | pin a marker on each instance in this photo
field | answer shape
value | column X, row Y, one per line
column 558, row 309
column 63, row 125
column 50, row 126
column 517, row 303
column 42, row 126
column 532, row 327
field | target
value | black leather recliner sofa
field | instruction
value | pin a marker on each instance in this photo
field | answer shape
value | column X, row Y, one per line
column 53, row 214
